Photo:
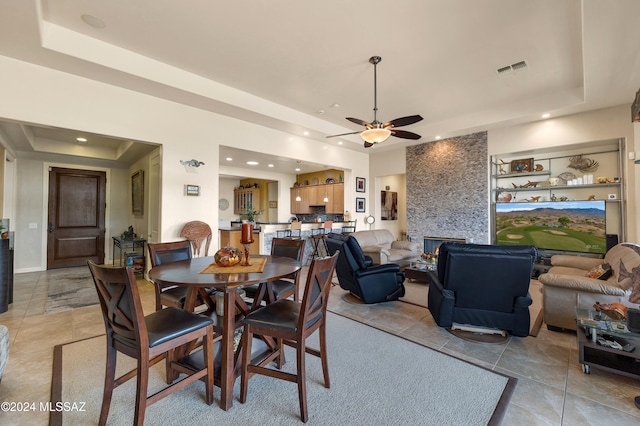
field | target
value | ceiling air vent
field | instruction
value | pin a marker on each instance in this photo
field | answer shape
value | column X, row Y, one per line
column 509, row 69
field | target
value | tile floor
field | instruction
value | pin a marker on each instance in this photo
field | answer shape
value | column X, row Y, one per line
column 551, row 389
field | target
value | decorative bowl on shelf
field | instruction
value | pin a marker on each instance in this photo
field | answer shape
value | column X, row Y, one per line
column 228, row 256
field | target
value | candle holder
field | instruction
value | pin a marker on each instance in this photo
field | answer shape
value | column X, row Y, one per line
column 246, row 252
column 246, row 238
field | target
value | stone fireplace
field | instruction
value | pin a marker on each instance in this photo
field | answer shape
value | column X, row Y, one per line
column 448, row 189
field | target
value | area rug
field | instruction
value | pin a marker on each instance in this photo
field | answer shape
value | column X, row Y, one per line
column 416, row 294
column 70, row 288
column 376, row 378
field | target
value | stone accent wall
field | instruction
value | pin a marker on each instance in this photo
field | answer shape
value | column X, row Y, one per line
column 448, row 189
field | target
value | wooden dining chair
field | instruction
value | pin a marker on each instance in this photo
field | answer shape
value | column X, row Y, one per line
column 289, row 285
column 197, row 232
column 291, row 323
column 160, row 253
column 148, row 339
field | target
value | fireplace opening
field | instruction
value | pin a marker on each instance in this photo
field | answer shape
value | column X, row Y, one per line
column 432, row 244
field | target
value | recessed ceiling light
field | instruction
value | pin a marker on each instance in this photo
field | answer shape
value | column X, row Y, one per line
column 297, row 169
column 252, row 163
column 81, row 140
column 546, row 115
column 339, row 142
column 229, row 159
column 438, row 137
column 93, row 21
column 335, row 105
column 306, row 133
column 270, row 165
column 320, row 111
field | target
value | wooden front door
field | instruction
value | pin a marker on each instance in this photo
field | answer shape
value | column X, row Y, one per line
column 76, row 231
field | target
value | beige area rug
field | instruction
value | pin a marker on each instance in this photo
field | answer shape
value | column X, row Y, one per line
column 416, row 293
column 376, row 378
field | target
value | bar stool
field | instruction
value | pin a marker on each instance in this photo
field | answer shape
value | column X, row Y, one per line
column 349, row 227
column 320, row 239
column 294, row 227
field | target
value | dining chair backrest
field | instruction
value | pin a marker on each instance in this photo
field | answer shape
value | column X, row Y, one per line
column 160, row 253
column 328, row 226
column 293, row 249
column 286, row 247
column 197, row 232
column 316, row 291
column 121, row 308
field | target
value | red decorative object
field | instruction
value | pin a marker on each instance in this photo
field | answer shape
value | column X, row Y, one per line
column 247, row 233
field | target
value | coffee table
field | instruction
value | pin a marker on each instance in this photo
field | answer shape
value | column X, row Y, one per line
column 592, row 326
column 417, row 270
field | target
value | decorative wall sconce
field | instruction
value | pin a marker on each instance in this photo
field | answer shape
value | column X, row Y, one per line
column 191, row 163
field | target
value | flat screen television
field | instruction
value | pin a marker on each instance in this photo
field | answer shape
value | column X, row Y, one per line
column 574, row 226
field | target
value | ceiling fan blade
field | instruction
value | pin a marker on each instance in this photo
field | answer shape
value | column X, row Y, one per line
column 360, row 122
column 402, row 121
column 405, row 135
column 344, row 134
column 368, row 144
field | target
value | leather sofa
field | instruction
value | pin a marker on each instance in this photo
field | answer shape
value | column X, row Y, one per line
column 381, row 246
column 566, row 286
column 482, row 285
column 358, row 275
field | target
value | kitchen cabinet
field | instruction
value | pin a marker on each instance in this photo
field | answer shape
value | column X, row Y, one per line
column 313, row 196
column 336, row 199
column 245, row 197
column 302, row 206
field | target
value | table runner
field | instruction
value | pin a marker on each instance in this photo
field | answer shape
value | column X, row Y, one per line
column 257, row 265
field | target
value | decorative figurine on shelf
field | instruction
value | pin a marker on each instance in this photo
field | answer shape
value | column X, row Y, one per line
column 129, row 234
column 246, row 239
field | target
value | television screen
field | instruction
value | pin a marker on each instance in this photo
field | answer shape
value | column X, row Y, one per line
column 577, row 226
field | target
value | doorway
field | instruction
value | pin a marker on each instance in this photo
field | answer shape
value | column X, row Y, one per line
column 76, row 217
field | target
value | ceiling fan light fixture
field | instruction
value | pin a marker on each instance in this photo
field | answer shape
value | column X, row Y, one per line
column 375, row 135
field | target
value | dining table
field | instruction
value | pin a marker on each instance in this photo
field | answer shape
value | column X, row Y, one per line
column 191, row 274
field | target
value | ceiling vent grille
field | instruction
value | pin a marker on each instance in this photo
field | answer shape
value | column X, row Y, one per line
column 510, row 69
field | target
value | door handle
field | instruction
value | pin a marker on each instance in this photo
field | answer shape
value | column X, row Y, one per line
column 50, row 227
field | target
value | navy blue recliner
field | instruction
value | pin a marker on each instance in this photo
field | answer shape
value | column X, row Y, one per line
column 483, row 285
column 357, row 274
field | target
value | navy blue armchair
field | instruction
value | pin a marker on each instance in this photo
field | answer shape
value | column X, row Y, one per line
column 357, row 274
column 483, row 285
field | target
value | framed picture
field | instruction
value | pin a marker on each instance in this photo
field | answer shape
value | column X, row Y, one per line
column 273, row 204
column 522, row 166
column 137, row 192
column 361, row 185
column 360, row 205
column 389, row 205
column 192, row 190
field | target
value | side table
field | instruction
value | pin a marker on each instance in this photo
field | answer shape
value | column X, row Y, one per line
column 417, row 270
column 131, row 253
column 591, row 326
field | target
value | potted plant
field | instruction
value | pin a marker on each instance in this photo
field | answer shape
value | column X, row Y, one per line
column 250, row 214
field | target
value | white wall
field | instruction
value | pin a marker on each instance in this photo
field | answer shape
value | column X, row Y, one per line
column 44, row 96
column 396, row 183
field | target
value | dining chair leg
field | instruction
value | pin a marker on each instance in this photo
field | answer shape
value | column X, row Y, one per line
column 281, row 360
column 302, row 380
column 109, row 384
column 323, row 355
column 141, row 392
column 208, row 356
column 247, row 337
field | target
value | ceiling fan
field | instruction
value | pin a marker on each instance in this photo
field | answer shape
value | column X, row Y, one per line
column 376, row 131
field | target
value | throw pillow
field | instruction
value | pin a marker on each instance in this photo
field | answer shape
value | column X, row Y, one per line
column 600, row 272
